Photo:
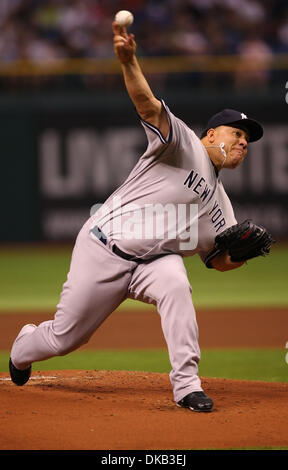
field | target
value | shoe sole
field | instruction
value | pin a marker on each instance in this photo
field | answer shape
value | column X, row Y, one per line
column 193, row 409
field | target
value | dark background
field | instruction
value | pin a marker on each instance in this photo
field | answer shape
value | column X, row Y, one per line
column 69, row 134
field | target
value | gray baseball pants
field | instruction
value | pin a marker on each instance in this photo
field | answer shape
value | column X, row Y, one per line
column 97, row 283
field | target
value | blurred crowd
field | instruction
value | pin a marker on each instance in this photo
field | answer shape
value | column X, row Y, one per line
column 57, row 29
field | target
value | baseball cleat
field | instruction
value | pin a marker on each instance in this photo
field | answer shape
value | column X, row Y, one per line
column 196, row 401
column 19, row 377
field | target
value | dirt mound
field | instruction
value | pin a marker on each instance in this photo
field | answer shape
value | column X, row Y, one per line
column 134, row 410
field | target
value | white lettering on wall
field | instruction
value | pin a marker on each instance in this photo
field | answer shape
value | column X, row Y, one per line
column 93, row 161
column 86, row 162
column 278, row 140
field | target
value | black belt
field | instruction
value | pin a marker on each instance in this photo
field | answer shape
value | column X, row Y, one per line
column 102, row 237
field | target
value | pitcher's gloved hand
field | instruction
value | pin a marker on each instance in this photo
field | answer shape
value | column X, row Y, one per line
column 242, row 242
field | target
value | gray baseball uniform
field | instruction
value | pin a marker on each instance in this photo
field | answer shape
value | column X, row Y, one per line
column 171, row 205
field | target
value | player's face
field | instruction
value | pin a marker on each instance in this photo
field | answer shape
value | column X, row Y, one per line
column 236, row 143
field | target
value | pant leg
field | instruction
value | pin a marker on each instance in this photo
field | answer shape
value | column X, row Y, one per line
column 96, row 284
column 164, row 283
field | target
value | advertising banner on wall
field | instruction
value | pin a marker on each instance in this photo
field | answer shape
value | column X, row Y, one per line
column 61, row 155
column 82, row 164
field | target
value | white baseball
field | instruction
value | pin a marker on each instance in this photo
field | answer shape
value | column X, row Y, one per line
column 124, row 18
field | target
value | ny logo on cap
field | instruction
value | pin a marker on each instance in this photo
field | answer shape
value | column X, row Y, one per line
column 243, row 116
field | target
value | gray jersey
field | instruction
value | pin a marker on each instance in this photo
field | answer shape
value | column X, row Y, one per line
column 172, row 201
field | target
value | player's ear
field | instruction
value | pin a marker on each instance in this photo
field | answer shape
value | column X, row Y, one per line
column 211, row 134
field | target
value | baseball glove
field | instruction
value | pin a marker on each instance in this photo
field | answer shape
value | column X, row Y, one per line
column 242, row 241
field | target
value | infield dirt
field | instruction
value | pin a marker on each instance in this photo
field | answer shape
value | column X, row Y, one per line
column 120, row 410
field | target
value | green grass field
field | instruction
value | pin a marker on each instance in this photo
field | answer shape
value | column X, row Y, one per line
column 32, row 277
column 244, row 364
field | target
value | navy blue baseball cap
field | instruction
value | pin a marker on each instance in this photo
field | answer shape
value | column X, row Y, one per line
column 233, row 118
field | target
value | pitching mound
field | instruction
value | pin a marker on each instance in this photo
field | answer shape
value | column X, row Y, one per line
column 135, row 410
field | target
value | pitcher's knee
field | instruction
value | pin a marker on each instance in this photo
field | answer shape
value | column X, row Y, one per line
column 178, row 288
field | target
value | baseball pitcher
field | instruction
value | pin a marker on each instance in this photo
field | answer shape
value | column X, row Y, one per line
column 171, row 205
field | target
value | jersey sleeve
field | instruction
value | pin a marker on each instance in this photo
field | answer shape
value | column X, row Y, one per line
column 157, row 143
